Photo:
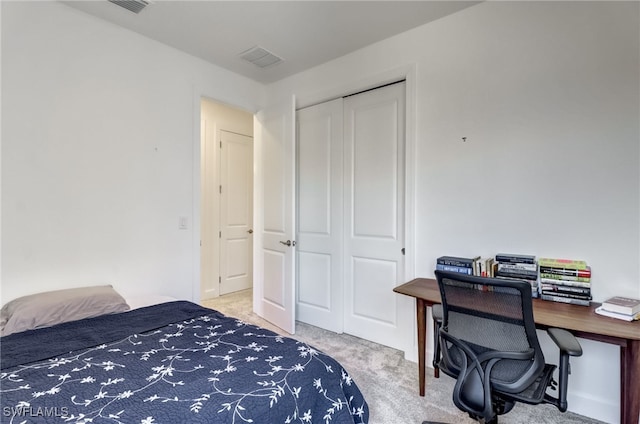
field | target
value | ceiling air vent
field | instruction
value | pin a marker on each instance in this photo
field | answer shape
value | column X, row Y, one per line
column 260, row 57
column 134, row 6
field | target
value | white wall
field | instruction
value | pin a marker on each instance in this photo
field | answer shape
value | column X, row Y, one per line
column 548, row 96
column 100, row 153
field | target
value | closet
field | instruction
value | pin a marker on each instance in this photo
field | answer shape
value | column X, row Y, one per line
column 350, row 213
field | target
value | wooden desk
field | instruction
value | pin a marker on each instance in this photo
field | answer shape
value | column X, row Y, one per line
column 582, row 321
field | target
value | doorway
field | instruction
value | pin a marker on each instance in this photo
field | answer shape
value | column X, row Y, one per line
column 226, row 144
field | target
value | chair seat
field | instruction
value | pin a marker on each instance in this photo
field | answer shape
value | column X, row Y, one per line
column 534, row 394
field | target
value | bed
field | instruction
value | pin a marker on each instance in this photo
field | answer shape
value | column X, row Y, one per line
column 174, row 362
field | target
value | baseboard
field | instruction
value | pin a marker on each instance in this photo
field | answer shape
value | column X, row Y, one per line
column 589, row 406
column 412, row 355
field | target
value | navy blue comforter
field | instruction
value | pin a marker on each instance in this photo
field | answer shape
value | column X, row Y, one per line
column 172, row 363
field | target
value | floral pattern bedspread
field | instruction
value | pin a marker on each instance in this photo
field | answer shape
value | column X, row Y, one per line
column 206, row 369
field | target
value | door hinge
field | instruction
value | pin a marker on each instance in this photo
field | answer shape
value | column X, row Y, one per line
column 219, row 280
column 220, row 189
column 221, row 144
column 402, row 250
column 219, row 234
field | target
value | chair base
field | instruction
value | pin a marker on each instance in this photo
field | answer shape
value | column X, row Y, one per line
column 479, row 419
column 439, row 422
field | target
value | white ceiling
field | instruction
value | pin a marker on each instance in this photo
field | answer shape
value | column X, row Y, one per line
column 304, row 33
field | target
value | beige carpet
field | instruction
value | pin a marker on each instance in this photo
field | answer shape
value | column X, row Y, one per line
column 388, row 381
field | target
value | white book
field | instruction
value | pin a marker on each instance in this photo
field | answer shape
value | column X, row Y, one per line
column 622, row 305
column 600, row 310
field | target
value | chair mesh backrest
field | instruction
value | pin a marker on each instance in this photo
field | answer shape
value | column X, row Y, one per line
column 491, row 314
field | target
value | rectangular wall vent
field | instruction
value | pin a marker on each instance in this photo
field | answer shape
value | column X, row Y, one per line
column 134, row 6
column 260, row 57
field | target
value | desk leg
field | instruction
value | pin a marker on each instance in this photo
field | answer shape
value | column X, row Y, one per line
column 422, row 341
column 630, row 382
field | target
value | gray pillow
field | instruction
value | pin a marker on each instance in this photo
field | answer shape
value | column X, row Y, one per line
column 55, row 307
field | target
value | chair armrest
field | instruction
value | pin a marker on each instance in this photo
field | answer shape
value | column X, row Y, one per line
column 568, row 346
column 436, row 312
column 566, row 342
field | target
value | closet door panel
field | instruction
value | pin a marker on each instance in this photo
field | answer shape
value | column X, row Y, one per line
column 374, row 213
column 320, row 289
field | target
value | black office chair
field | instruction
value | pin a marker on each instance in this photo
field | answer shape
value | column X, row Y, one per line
column 489, row 344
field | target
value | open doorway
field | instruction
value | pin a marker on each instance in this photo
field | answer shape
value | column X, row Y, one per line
column 226, row 199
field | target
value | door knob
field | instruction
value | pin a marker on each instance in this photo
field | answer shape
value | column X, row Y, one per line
column 288, row 243
column 250, row 231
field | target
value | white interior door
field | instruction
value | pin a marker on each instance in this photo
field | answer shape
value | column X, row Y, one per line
column 236, row 212
column 274, row 225
column 374, row 125
column 320, row 294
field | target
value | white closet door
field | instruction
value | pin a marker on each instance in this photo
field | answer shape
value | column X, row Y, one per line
column 236, row 212
column 320, row 291
column 374, row 124
column 274, row 220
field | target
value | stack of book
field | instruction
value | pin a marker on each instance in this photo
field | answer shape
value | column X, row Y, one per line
column 518, row 267
column 624, row 308
column 457, row 264
column 565, row 280
column 485, row 267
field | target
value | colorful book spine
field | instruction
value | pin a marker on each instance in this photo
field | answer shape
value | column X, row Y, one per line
column 564, row 279
column 485, row 267
column 585, row 273
column 562, row 263
column 567, row 284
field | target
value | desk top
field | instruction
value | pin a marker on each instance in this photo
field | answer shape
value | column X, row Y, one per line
column 582, row 321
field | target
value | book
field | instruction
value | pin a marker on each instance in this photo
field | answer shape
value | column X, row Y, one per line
column 452, row 268
column 517, row 266
column 507, row 257
column 562, row 263
column 566, row 279
column 585, row 273
column 485, row 267
column 622, row 305
column 600, row 310
column 560, row 299
column 563, row 294
column 521, row 275
column 457, row 261
column 564, row 289
column 565, row 283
